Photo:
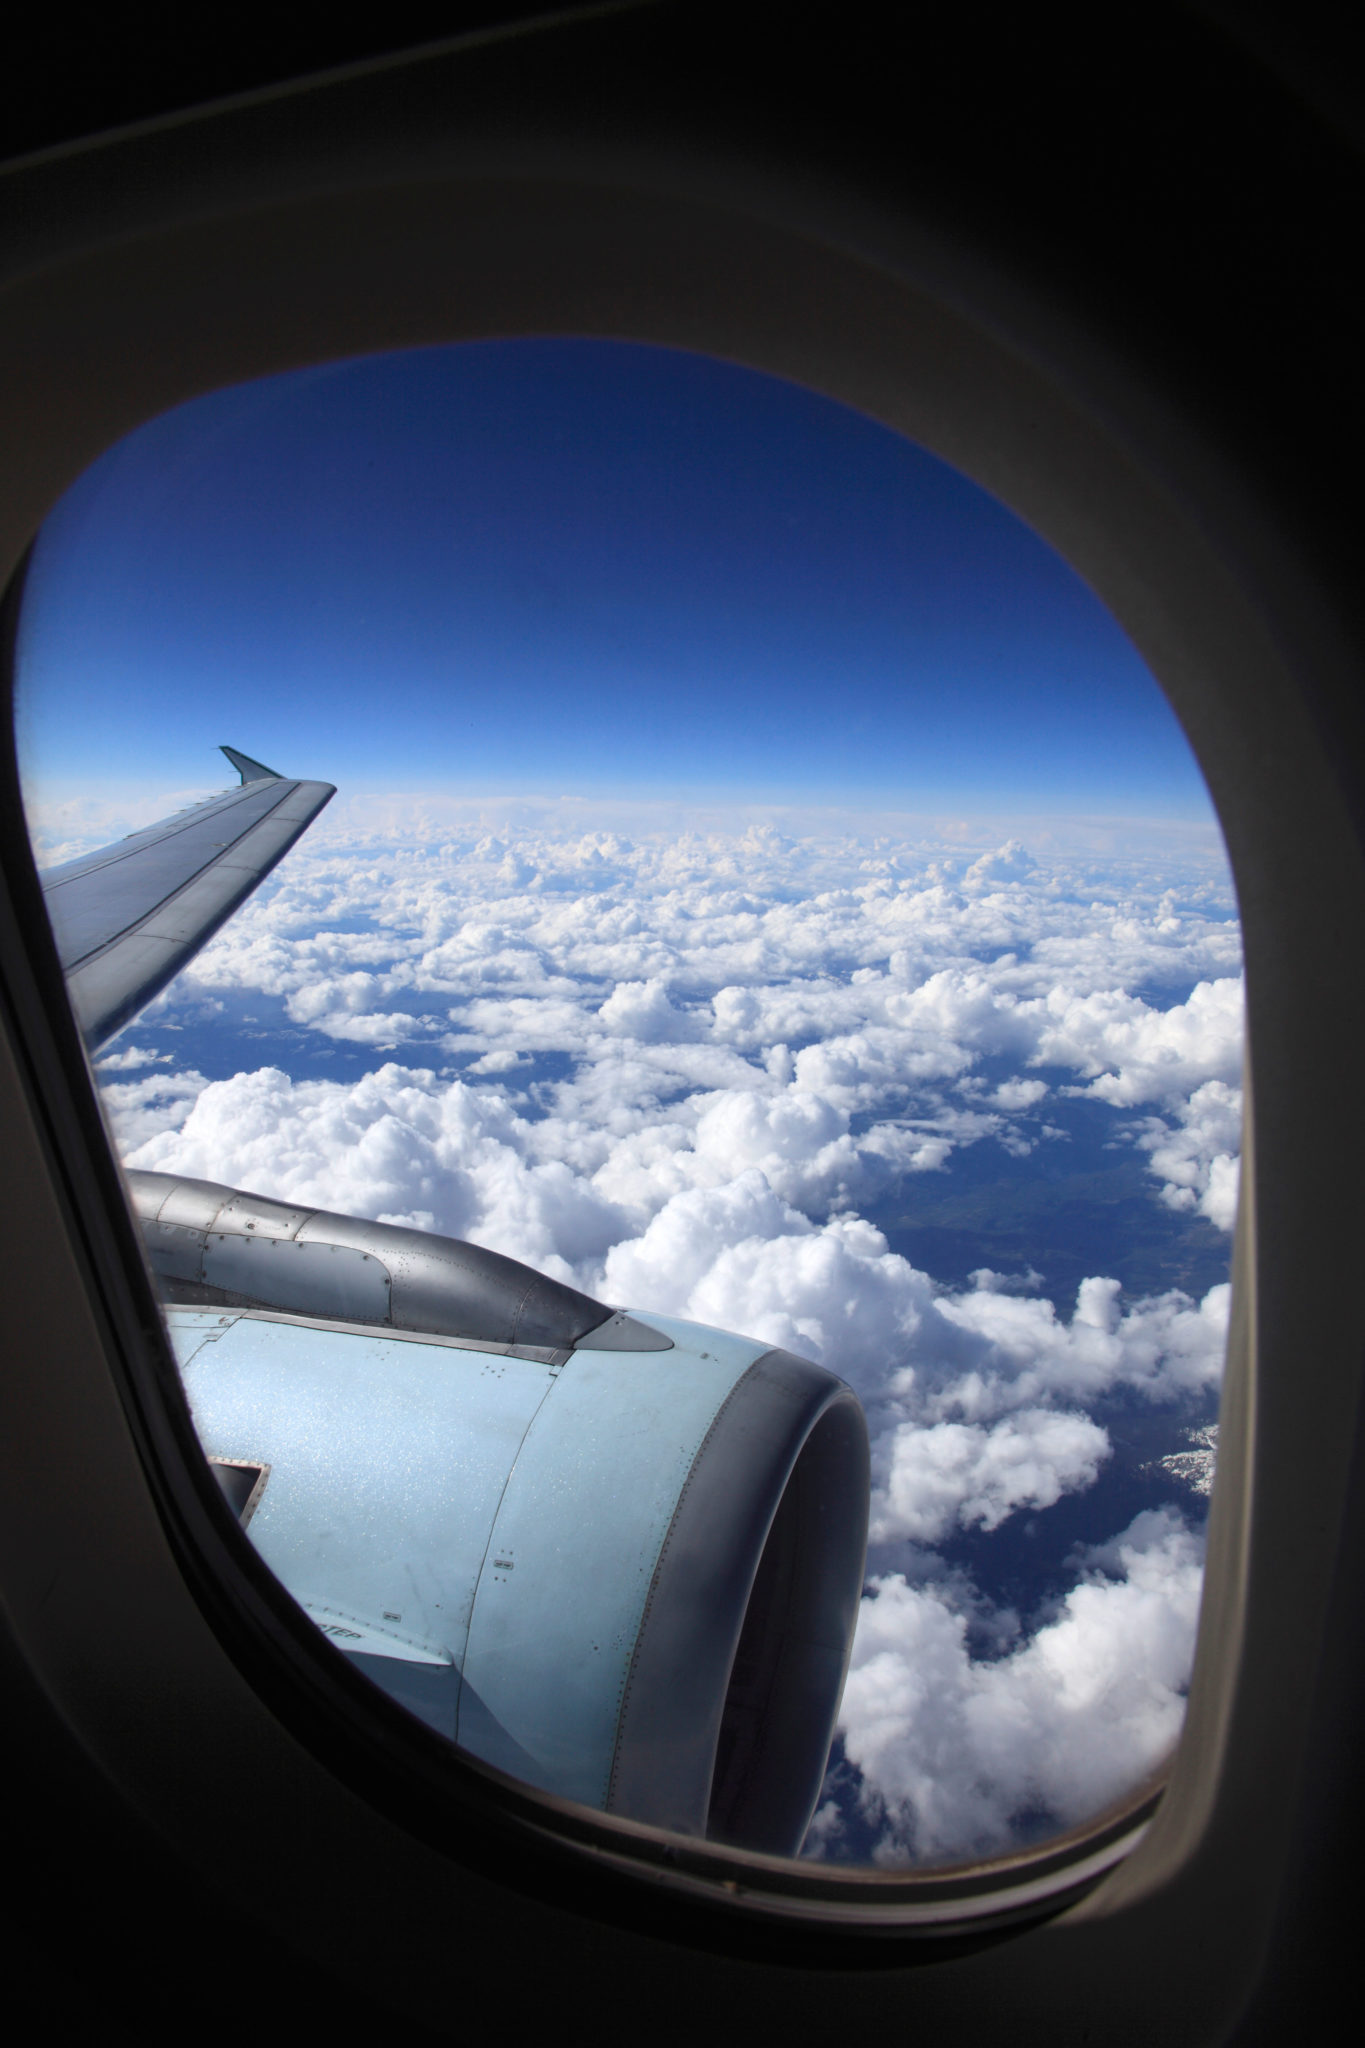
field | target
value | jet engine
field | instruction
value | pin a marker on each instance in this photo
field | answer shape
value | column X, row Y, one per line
column 614, row 1554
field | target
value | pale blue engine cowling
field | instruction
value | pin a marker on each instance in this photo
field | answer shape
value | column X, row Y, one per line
column 626, row 1575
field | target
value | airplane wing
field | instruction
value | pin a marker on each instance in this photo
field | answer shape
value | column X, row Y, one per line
column 128, row 917
column 616, row 1556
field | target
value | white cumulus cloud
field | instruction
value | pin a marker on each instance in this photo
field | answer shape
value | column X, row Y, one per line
column 965, row 1474
column 955, row 1751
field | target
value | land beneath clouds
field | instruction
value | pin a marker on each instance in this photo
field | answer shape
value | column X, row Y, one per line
column 795, row 1083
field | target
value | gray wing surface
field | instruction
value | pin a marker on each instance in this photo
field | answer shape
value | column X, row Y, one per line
column 129, row 917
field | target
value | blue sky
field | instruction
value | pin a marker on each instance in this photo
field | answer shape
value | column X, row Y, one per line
column 575, row 567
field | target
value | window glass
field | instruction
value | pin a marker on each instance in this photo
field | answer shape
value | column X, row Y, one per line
column 765, row 893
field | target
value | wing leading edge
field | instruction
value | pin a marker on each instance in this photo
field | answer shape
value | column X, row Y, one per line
column 128, row 917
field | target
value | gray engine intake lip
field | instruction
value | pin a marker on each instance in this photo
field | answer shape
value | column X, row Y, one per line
column 743, row 1648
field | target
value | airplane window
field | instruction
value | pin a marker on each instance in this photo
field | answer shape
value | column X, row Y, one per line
column 759, row 1020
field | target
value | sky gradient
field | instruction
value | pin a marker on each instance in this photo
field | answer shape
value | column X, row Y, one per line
column 575, row 567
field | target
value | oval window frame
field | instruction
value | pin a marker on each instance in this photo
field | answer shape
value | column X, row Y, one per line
column 133, row 314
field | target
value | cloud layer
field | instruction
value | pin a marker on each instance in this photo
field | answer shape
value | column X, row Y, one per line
column 677, row 1070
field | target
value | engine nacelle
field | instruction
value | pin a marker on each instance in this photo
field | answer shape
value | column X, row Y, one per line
column 624, row 1566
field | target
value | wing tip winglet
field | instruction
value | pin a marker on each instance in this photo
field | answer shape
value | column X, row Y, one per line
column 249, row 770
